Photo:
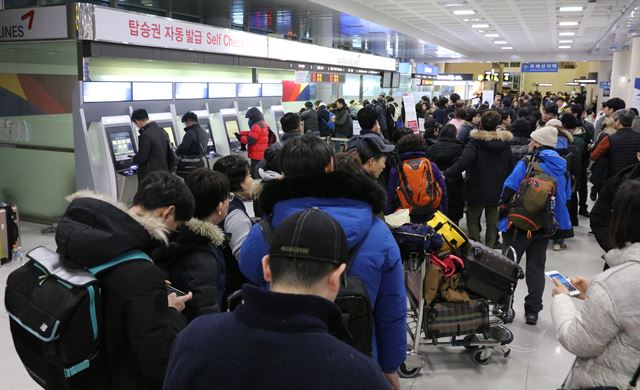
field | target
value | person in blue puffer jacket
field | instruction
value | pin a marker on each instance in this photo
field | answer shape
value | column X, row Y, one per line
column 534, row 244
column 354, row 201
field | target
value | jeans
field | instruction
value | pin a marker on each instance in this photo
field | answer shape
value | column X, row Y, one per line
column 474, row 212
column 536, row 251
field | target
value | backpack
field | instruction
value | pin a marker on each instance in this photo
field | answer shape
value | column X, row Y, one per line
column 272, row 139
column 56, row 320
column 418, row 189
column 332, row 121
column 352, row 300
column 531, row 208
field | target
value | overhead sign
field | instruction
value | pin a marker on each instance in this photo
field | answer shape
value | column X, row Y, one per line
column 539, row 67
column 284, row 50
column 148, row 30
column 331, row 68
column 423, row 76
column 454, row 77
column 604, row 84
column 33, row 23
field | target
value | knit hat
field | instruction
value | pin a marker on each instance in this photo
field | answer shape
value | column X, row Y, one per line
column 312, row 235
column 546, row 136
column 554, row 123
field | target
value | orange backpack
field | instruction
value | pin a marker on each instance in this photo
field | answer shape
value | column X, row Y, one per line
column 418, row 189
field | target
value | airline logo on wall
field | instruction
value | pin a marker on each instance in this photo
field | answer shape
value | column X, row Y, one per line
column 33, row 23
column 148, row 30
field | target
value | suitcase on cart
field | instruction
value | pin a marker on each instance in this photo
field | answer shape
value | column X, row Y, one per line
column 9, row 231
column 490, row 274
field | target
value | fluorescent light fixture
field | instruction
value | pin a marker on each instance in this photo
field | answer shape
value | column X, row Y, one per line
column 570, row 9
column 507, row 48
column 464, row 12
column 565, row 41
column 571, row 84
column 585, row 81
column 564, row 47
column 471, row 20
column 480, row 25
column 500, row 42
column 453, row 5
column 567, row 34
column 545, row 85
column 492, row 35
column 572, row 23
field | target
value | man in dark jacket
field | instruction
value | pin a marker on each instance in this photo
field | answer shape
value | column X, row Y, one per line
column 280, row 339
column 154, row 153
column 620, row 148
column 310, row 118
column 578, row 111
column 381, row 115
column 354, row 201
column 195, row 140
column 324, row 119
column 487, row 161
column 140, row 321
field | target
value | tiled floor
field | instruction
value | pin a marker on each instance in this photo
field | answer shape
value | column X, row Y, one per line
column 537, row 360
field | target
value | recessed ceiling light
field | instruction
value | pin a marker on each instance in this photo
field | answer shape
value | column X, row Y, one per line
column 567, row 34
column 464, row 12
column 570, row 9
column 492, row 35
column 500, row 42
column 480, row 25
column 453, row 5
column 564, row 47
column 565, row 41
column 471, row 20
column 572, row 23
column 507, row 47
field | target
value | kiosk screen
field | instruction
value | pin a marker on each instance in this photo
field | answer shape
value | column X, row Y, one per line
column 211, row 147
column 232, row 128
column 121, row 149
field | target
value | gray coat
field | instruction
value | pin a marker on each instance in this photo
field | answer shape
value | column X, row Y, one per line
column 310, row 119
column 605, row 333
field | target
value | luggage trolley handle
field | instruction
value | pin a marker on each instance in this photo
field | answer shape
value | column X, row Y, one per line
column 413, row 263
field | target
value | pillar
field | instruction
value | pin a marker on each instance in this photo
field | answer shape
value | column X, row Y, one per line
column 620, row 74
column 604, row 74
column 634, row 70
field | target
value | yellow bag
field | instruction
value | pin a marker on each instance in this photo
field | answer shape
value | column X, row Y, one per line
column 452, row 235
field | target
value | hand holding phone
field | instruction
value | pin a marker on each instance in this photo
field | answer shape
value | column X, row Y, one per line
column 171, row 289
column 560, row 280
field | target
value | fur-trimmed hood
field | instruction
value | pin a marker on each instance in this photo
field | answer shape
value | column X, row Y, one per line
column 630, row 252
column 206, row 230
column 193, row 235
column 498, row 135
column 566, row 134
column 95, row 229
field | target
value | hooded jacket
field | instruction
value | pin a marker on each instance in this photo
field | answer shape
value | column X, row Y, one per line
column 272, row 341
column 194, row 262
column 354, row 201
column 139, row 326
column 487, row 160
column 257, row 138
column 464, row 131
column 153, row 150
column 556, row 166
column 344, row 123
column 194, row 142
column 310, row 119
column 604, row 333
column 444, row 154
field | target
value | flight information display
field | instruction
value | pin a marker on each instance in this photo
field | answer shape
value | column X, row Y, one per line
column 222, row 90
column 249, row 90
column 98, row 91
column 272, row 89
column 192, row 90
column 152, row 91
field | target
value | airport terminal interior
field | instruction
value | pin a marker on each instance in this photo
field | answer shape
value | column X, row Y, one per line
column 533, row 97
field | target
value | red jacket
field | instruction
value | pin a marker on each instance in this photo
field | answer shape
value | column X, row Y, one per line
column 256, row 139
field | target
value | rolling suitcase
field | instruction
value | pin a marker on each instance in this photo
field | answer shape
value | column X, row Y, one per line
column 9, row 231
column 490, row 274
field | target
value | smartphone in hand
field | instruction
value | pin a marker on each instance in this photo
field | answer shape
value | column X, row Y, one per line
column 171, row 289
column 573, row 291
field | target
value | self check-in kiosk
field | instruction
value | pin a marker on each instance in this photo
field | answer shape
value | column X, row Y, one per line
column 166, row 120
column 224, row 133
column 273, row 116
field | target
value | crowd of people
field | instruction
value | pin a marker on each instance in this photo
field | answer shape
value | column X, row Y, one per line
column 327, row 212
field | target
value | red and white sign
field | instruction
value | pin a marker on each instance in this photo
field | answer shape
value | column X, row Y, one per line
column 284, row 50
column 148, row 30
column 33, row 23
column 410, row 115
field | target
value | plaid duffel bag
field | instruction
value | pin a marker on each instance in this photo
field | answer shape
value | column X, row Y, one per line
column 457, row 318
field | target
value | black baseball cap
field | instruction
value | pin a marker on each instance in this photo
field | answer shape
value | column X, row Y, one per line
column 311, row 235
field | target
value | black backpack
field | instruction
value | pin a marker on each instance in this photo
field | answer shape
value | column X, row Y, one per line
column 352, row 300
column 56, row 320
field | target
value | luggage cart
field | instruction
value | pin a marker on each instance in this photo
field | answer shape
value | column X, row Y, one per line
column 494, row 337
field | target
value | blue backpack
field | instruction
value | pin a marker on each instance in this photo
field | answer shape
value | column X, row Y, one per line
column 56, row 320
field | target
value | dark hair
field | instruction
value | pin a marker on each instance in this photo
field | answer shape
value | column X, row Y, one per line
column 163, row 189
column 139, row 115
column 506, row 102
column 308, row 104
column 504, row 114
column 470, row 113
column 400, row 133
column 235, row 168
column 290, row 121
column 490, row 120
column 448, row 131
column 348, row 162
column 298, row 272
column 454, row 97
column 341, row 101
column 305, row 155
column 625, row 117
column 635, row 110
column 569, row 121
column 576, row 109
column 189, row 116
column 551, row 109
column 367, row 117
column 411, row 143
column 272, row 157
column 365, row 103
column 523, row 113
column 389, row 98
column 209, row 189
column 459, row 114
column 615, row 104
column 624, row 216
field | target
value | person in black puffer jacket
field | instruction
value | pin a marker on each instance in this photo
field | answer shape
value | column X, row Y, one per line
column 444, row 154
column 194, row 260
column 521, row 130
column 487, row 161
